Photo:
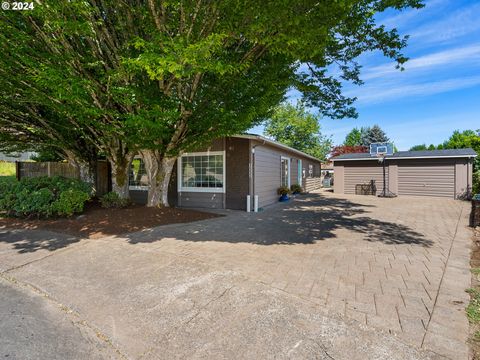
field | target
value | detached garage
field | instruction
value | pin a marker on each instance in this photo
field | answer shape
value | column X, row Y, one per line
column 440, row 173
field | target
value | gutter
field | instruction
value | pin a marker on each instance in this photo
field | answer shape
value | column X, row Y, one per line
column 276, row 144
column 409, row 157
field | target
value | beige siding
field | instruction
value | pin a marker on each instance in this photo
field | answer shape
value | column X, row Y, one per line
column 267, row 175
column 426, row 178
column 339, row 178
column 362, row 172
column 447, row 177
column 463, row 178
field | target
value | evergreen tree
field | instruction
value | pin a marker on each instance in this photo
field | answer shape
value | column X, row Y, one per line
column 374, row 134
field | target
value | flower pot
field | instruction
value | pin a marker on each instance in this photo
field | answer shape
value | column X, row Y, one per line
column 284, row 198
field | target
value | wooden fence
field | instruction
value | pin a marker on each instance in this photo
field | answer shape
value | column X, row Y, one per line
column 313, row 183
column 35, row 169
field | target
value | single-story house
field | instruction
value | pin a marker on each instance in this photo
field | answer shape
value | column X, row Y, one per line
column 441, row 173
column 223, row 174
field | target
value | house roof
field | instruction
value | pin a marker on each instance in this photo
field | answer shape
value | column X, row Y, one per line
column 275, row 144
column 421, row 154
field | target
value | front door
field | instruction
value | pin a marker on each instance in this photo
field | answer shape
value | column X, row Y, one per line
column 285, row 172
column 299, row 173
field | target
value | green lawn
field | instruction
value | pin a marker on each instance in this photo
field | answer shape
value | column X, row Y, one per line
column 7, row 168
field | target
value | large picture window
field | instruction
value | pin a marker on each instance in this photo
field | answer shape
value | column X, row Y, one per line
column 202, row 172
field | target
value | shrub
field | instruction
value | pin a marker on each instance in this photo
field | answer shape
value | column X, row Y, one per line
column 296, row 188
column 70, row 202
column 43, row 197
column 283, row 190
column 37, row 202
column 112, row 200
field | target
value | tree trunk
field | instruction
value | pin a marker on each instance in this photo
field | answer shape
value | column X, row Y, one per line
column 85, row 170
column 120, row 171
column 159, row 170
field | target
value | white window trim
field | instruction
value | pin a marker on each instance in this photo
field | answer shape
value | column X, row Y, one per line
column 288, row 167
column 138, row 187
column 181, row 188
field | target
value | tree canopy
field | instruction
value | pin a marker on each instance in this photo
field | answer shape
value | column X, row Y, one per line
column 354, row 137
column 103, row 77
column 299, row 129
column 365, row 136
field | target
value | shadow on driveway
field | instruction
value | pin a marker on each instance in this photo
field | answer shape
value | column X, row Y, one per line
column 31, row 241
column 310, row 218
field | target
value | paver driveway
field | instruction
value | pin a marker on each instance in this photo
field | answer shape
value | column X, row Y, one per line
column 324, row 276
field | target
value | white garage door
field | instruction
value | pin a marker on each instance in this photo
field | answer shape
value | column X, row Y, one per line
column 426, row 179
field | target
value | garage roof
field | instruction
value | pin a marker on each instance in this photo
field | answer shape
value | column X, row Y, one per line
column 421, row 154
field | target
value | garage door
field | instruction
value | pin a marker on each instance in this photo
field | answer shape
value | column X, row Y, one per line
column 362, row 172
column 426, row 179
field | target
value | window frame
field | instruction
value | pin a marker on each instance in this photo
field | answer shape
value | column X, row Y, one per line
column 181, row 188
column 288, row 169
column 137, row 187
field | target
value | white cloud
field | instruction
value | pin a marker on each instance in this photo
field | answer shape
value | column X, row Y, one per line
column 387, row 90
column 405, row 17
column 459, row 23
column 449, row 57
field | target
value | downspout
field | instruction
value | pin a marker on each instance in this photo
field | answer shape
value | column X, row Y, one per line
column 470, row 161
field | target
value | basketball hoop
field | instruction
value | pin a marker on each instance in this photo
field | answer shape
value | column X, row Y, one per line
column 380, row 157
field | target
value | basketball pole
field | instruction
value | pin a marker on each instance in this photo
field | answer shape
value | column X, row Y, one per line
column 384, row 179
column 385, row 193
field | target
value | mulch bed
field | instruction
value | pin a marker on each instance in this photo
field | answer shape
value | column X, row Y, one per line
column 97, row 222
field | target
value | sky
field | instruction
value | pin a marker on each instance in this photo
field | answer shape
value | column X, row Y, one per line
column 438, row 92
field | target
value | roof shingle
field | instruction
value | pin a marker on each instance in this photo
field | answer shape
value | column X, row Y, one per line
column 468, row 152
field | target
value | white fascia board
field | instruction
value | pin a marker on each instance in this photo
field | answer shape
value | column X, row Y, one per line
column 276, row 144
column 410, row 157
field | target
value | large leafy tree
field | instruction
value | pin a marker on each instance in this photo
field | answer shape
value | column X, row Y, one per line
column 418, row 147
column 465, row 139
column 296, row 127
column 164, row 77
column 354, row 137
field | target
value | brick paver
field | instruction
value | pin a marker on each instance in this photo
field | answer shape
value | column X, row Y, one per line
column 400, row 264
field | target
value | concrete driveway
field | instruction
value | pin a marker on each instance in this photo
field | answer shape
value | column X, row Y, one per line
column 325, row 276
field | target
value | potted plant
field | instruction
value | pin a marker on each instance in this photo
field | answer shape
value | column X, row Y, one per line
column 283, row 191
column 296, row 189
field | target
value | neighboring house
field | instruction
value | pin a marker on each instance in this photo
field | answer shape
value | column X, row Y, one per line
column 223, row 174
column 24, row 156
column 441, row 173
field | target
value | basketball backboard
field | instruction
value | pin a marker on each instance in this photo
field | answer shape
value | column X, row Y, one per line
column 381, row 149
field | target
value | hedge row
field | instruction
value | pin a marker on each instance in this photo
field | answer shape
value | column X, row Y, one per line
column 43, row 197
